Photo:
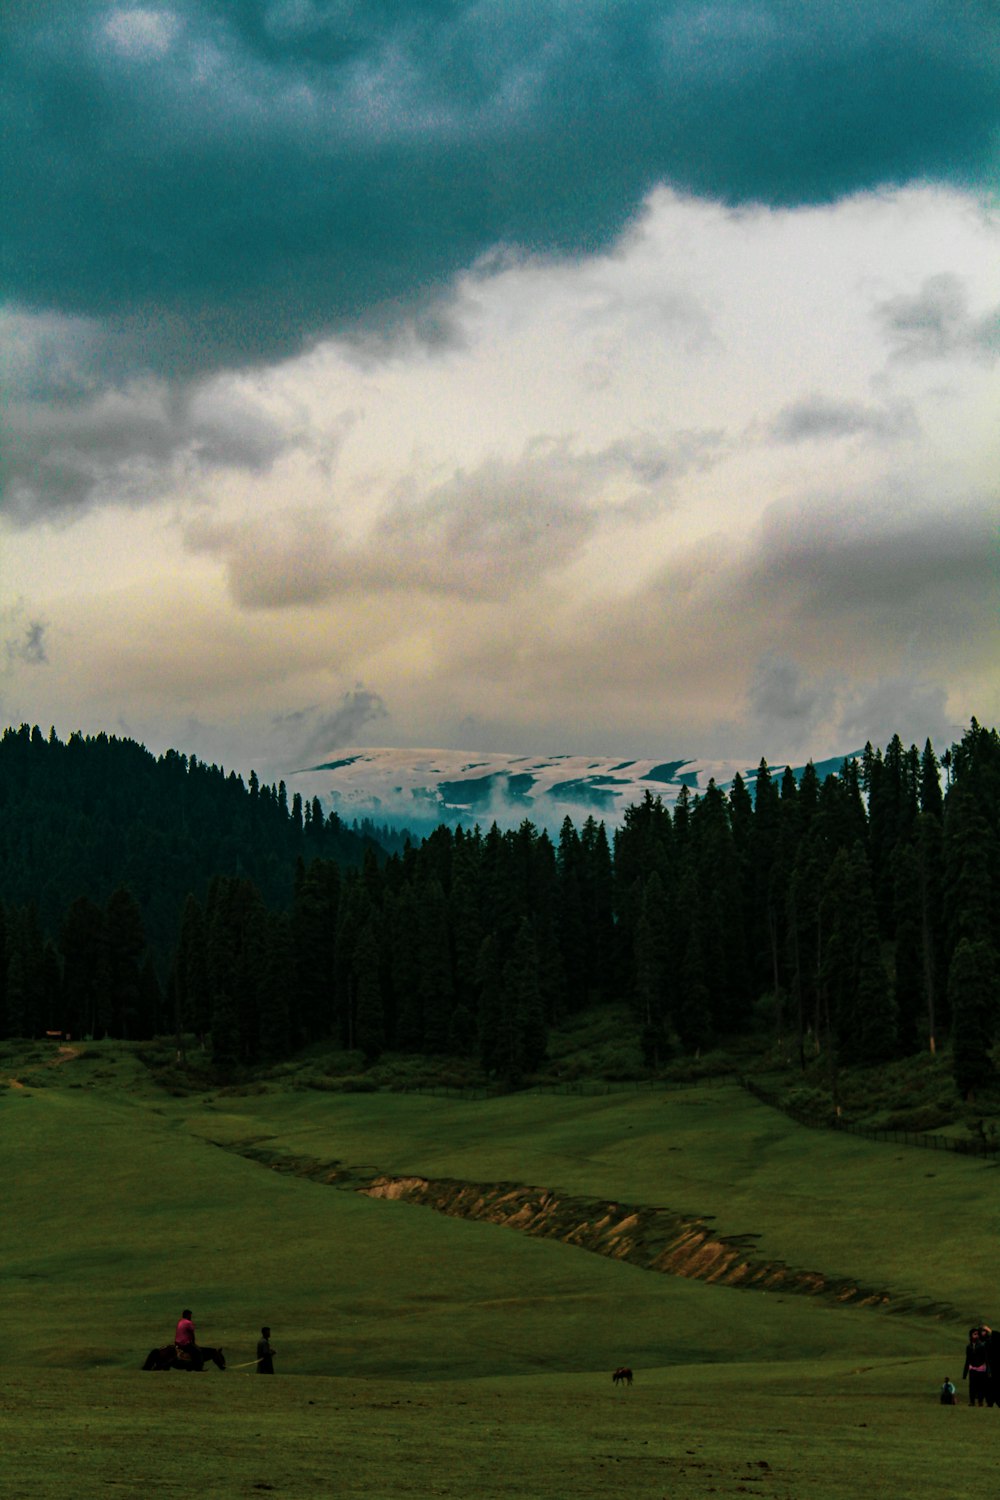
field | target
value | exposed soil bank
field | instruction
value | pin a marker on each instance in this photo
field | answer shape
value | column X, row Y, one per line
column 656, row 1239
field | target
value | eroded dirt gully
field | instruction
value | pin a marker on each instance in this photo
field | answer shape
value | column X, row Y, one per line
column 656, row 1239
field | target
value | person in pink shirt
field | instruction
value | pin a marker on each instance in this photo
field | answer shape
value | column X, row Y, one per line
column 184, row 1339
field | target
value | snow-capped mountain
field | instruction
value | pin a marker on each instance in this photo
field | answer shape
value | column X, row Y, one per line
column 421, row 788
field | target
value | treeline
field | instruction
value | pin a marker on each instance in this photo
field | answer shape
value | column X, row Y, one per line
column 856, row 916
column 101, row 843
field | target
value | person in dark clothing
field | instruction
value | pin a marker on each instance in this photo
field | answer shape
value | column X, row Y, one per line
column 977, row 1366
column 265, row 1353
column 947, row 1393
column 992, row 1343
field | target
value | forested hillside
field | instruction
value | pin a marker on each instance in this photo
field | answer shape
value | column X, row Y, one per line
column 101, row 843
column 856, row 916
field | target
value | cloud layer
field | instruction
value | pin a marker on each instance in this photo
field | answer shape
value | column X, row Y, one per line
column 219, row 183
column 503, row 373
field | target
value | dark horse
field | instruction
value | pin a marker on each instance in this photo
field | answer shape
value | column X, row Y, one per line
column 622, row 1376
column 166, row 1359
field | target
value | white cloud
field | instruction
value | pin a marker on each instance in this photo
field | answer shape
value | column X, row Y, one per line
column 680, row 491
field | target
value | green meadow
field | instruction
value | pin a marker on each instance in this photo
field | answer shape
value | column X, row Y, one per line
column 421, row 1354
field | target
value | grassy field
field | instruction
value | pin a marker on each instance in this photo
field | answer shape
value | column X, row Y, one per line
column 425, row 1355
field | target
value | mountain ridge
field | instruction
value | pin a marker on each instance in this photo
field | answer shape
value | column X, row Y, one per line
column 420, row 786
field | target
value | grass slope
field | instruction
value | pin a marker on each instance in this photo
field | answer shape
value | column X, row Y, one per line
column 422, row 1355
column 788, row 1432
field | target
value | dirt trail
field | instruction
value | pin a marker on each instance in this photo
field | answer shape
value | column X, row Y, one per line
column 64, row 1054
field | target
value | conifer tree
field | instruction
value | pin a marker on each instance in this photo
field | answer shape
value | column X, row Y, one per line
column 277, row 989
column 83, row 945
column 523, row 1030
column 436, row 980
column 929, row 850
column 4, row 960
column 808, row 800
column 767, row 896
column 316, row 921
column 931, row 796
column 859, row 1012
column 462, row 1032
column 652, row 964
column 190, row 978
column 370, row 1023
column 692, row 1012
column 804, row 935
column 126, row 947
column 20, row 1021
column 402, row 925
column 466, row 919
column 974, row 997
column 542, row 902
column 225, row 1030
column 597, row 871
column 720, row 911
column 573, row 935
column 907, row 961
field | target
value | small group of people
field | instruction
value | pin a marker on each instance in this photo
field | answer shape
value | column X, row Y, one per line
column 981, row 1370
column 186, row 1344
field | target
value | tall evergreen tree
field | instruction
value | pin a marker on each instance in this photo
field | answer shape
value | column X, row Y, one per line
column 126, row 948
column 908, row 957
column 403, row 928
column 930, row 860
column 931, row 796
column 495, row 1045
column 652, row 967
column 436, row 979
column 974, row 997
column 277, row 989
column 370, row 1023
column 523, row 1029
column 598, row 882
column 859, row 1011
column 83, row 945
column 321, row 985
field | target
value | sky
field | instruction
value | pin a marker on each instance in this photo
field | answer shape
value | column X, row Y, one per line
column 543, row 376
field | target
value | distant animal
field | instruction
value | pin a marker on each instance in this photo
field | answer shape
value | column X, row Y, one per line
column 622, row 1376
column 166, row 1359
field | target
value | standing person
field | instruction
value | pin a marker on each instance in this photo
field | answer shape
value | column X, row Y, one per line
column 185, row 1343
column 977, row 1366
column 988, row 1337
column 947, row 1393
column 265, row 1353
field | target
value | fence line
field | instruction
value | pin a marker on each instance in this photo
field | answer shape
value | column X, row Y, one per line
column 970, row 1147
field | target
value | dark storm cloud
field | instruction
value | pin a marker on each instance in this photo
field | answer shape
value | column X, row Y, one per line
column 58, row 460
column 78, row 429
column 219, row 182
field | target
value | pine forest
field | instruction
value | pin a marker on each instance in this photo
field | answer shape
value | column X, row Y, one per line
column 854, row 917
